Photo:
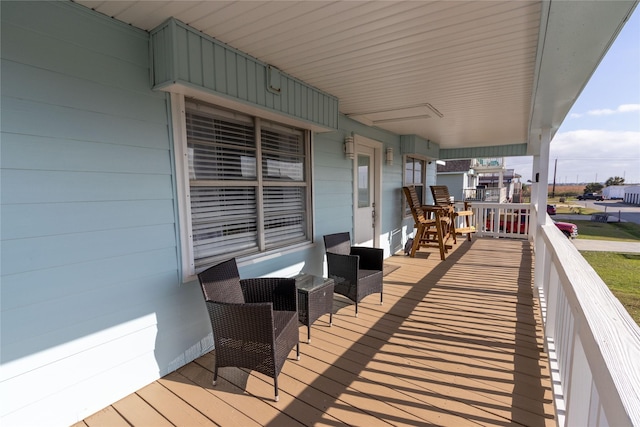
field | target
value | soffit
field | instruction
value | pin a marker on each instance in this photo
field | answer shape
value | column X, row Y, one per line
column 462, row 74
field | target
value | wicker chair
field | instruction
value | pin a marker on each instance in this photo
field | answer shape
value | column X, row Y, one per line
column 254, row 321
column 356, row 271
column 433, row 225
column 442, row 199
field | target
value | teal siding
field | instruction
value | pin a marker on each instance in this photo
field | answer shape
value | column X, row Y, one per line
column 513, row 150
column 182, row 55
column 413, row 144
column 92, row 307
column 333, row 186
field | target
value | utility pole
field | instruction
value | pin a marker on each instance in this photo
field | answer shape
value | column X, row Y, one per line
column 553, row 190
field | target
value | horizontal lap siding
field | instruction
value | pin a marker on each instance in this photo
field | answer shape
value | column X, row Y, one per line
column 92, row 307
column 333, row 183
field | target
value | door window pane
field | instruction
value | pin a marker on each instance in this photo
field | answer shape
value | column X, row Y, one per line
column 364, row 191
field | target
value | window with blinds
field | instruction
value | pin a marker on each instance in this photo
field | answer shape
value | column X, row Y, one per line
column 248, row 184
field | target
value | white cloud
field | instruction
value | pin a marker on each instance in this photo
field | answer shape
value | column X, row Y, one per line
column 604, row 112
column 629, row 108
column 625, row 108
column 589, row 155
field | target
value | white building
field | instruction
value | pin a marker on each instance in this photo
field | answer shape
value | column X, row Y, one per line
column 632, row 194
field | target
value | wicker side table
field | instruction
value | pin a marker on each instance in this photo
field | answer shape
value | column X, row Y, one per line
column 315, row 298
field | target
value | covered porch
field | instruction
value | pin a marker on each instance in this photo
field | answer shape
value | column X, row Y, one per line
column 456, row 342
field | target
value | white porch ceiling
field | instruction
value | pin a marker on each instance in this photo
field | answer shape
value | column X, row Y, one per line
column 462, row 74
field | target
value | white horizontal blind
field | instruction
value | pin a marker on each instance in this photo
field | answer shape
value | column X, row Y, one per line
column 284, row 192
column 226, row 193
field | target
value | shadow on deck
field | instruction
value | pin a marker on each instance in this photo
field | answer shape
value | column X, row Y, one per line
column 457, row 342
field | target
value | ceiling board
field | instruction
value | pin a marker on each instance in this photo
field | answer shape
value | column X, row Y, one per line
column 475, row 61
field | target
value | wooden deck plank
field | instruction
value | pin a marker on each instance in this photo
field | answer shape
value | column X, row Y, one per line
column 108, row 417
column 456, row 342
column 407, row 364
column 256, row 409
column 388, row 385
column 172, row 407
column 137, row 412
column 217, row 410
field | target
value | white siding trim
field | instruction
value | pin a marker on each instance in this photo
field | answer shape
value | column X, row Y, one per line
column 182, row 183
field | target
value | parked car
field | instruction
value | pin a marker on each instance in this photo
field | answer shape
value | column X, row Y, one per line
column 568, row 229
column 551, row 209
column 518, row 225
column 591, row 196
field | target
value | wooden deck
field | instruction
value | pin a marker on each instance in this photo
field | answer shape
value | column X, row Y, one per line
column 456, row 343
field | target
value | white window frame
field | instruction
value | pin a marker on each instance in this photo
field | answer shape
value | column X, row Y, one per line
column 406, row 213
column 187, row 258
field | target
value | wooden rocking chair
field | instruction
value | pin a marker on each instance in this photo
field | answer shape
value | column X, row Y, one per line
column 442, row 199
column 433, row 225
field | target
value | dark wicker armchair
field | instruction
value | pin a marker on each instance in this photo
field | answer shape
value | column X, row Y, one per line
column 356, row 271
column 254, row 321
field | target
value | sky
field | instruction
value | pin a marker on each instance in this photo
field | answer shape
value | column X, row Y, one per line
column 600, row 137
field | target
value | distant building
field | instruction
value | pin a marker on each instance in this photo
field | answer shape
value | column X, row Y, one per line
column 614, row 192
column 484, row 179
column 458, row 176
column 632, row 194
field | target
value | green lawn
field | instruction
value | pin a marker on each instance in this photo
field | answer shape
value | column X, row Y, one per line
column 617, row 231
column 621, row 273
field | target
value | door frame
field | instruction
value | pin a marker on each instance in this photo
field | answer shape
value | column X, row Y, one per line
column 377, row 147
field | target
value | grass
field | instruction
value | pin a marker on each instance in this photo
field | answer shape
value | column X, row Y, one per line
column 621, row 273
column 574, row 210
column 616, row 231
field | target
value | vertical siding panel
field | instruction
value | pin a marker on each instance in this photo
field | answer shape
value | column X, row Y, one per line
column 194, row 50
column 231, row 72
column 261, row 85
column 307, row 106
column 277, row 97
column 181, row 63
column 220, row 61
column 252, row 82
column 218, row 69
column 161, row 65
column 284, row 97
column 208, row 66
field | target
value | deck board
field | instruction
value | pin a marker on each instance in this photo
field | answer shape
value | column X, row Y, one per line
column 456, row 342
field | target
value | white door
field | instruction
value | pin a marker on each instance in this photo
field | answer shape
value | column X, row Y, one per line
column 366, row 194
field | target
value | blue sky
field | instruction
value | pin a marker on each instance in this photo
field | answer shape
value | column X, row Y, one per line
column 600, row 138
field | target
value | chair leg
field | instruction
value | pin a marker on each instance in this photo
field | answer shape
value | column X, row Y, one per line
column 380, row 298
column 215, row 374
column 416, row 241
column 356, row 308
column 275, row 387
column 298, row 349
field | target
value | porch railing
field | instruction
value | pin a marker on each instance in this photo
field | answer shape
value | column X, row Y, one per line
column 501, row 219
column 593, row 343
